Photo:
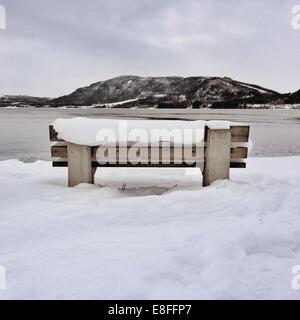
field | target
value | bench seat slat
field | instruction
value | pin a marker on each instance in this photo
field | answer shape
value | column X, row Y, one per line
column 64, row 163
column 59, row 150
column 240, row 133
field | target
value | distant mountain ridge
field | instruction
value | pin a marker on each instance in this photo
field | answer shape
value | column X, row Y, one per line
column 160, row 91
column 23, row 101
column 174, row 92
column 165, row 92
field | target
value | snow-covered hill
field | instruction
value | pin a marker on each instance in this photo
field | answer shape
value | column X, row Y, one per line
column 169, row 92
column 22, row 101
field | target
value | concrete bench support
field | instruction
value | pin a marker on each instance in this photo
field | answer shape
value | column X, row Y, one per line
column 79, row 164
column 217, row 155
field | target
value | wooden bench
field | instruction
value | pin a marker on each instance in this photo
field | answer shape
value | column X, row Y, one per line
column 223, row 149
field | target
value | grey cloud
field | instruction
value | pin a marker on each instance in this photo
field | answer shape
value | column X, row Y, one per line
column 52, row 47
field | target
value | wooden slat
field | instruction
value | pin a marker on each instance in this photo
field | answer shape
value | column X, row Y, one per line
column 64, row 164
column 239, row 165
column 239, row 153
column 53, row 134
column 240, row 133
column 59, row 150
column 60, row 164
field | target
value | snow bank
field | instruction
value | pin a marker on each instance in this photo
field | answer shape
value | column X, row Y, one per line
column 91, row 131
column 150, row 233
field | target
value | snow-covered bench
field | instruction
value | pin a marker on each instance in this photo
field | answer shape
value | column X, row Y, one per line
column 224, row 147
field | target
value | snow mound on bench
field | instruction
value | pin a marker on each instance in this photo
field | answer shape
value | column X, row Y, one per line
column 85, row 131
column 217, row 124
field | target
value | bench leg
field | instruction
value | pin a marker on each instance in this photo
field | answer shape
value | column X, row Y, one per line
column 217, row 156
column 79, row 164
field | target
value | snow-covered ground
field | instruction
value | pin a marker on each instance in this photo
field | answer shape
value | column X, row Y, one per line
column 149, row 234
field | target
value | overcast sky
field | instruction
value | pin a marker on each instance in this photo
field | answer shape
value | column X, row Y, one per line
column 52, row 47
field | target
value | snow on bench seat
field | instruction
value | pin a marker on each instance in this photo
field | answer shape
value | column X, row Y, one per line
column 84, row 131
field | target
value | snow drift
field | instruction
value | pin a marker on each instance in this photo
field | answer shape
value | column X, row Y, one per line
column 150, row 234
